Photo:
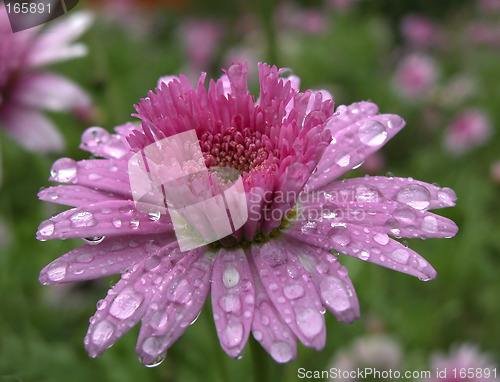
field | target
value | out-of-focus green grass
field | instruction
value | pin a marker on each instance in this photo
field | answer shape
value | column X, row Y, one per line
column 42, row 328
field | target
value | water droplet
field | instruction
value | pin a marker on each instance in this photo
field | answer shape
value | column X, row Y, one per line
column 64, row 170
column 181, row 292
column 394, row 121
column 447, row 196
column 343, row 159
column 372, row 133
column 414, row 195
column 101, row 304
column 56, row 271
column 102, row 332
column 94, row 136
column 85, row 257
column 230, row 303
column 368, row 194
column 94, row 176
column 82, row 219
column 334, row 293
column 230, row 277
column 257, row 334
column 405, row 214
column 429, row 224
column 364, row 255
column 117, row 223
column 309, row 321
column 340, row 235
column 293, row 291
column 151, row 263
column 125, row 209
column 134, row 224
column 400, row 255
column 393, row 226
column 154, row 216
column 125, row 304
column 94, row 240
column 274, row 254
column 281, row 351
column 47, row 228
column 381, row 238
column 232, row 335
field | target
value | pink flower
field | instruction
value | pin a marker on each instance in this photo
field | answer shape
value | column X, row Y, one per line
column 420, row 31
column 470, row 128
column 276, row 274
column 415, row 76
column 463, row 363
column 25, row 88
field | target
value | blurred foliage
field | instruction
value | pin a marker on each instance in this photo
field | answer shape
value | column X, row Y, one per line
column 42, row 328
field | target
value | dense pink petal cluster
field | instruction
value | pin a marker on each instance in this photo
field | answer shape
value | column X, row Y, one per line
column 276, row 275
column 25, row 89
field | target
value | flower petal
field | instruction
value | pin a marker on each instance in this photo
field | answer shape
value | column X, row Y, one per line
column 51, row 92
column 75, row 196
column 101, row 174
column 31, row 129
column 99, row 142
column 126, row 302
column 269, row 329
column 110, row 257
column 232, row 299
column 293, row 294
column 176, row 304
column 331, row 278
column 111, row 218
column 354, row 139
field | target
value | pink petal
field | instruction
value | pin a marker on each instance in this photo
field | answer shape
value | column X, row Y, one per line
column 365, row 244
column 51, row 92
column 353, row 141
column 75, row 196
column 99, row 142
column 176, row 304
column 331, row 278
column 110, row 257
column 110, row 218
column 416, row 194
column 126, row 303
column 54, row 43
column 31, row 129
column 292, row 292
column 101, row 174
column 232, row 299
column 269, row 329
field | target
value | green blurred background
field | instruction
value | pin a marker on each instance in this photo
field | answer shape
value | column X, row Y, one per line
column 351, row 48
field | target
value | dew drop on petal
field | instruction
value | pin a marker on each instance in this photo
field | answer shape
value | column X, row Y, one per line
column 405, row 214
column 372, row 133
column 230, row 277
column 340, row 235
column 334, row 293
column 429, row 224
column 400, row 255
column 85, row 257
column 125, row 304
column 101, row 304
column 154, row 216
column 117, row 223
column 151, row 263
column 281, row 351
column 232, row 335
column 230, row 303
column 447, row 196
column 394, row 121
column 134, row 224
column 293, row 291
column 56, row 271
column 47, row 228
column 343, row 159
column 102, row 332
column 368, row 194
column 309, row 321
column 414, row 195
column 381, row 238
column 64, row 170
column 94, row 240
column 257, row 334
column 94, row 136
column 157, row 361
column 82, row 219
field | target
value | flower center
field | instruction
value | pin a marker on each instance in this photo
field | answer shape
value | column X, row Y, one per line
column 242, row 150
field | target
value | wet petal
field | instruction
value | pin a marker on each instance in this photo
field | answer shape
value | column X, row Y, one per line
column 269, row 329
column 331, row 278
column 232, row 299
column 109, row 257
column 293, row 294
column 176, row 305
column 110, row 218
column 353, row 143
column 75, row 196
column 99, row 142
